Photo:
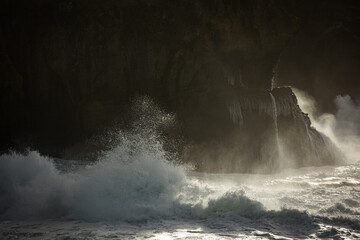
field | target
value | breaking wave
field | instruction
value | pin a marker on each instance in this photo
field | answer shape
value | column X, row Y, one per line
column 137, row 180
column 134, row 181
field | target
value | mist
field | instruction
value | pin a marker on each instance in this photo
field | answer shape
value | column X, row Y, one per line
column 158, row 119
column 342, row 127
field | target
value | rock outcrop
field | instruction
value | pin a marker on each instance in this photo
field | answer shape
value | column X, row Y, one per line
column 69, row 68
column 258, row 131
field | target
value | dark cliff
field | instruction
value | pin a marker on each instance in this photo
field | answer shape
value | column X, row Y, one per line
column 69, row 68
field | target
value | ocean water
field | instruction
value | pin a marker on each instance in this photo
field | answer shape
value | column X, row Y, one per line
column 133, row 191
column 137, row 190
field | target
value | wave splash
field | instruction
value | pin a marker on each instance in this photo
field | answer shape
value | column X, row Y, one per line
column 134, row 181
column 147, row 187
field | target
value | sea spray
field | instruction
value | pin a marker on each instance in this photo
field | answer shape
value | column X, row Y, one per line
column 135, row 181
column 275, row 116
column 340, row 128
column 132, row 182
column 142, row 188
column 148, row 188
column 314, row 149
column 30, row 186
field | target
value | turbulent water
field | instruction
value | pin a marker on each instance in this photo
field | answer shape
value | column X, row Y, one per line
column 133, row 191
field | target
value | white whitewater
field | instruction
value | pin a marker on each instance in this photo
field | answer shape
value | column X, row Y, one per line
column 275, row 116
column 342, row 128
column 309, row 136
column 134, row 192
column 308, row 133
column 150, row 198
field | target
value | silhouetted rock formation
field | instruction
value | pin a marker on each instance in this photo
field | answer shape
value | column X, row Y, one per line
column 253, row 135
column 69, row 68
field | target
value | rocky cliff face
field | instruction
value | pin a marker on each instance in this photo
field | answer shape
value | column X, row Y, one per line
column 258, row 131
column 69, row 68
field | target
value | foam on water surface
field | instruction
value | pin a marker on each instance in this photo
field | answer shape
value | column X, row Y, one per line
column 134, row 190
